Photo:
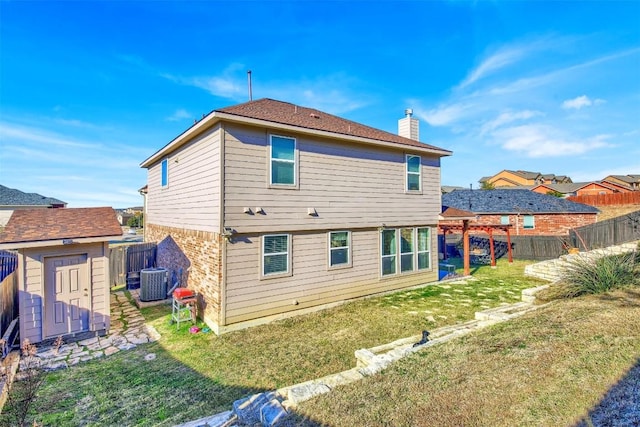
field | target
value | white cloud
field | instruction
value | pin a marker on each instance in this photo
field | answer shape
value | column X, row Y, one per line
column 179, row 114
column 545, row 141
column 445, row 114
column 328, row 93
column 28, row 134
column 580, row 101
column 493, row 63
column 508, row 117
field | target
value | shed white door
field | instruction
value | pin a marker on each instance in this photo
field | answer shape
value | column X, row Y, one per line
column 66, row 295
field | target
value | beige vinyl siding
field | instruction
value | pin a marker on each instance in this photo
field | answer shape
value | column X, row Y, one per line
column 192, row 198
column 31, row 294
column 312, row 282
column 349, row 185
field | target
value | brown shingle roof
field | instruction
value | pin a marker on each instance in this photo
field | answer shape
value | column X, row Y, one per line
column 453, row 213
column 34, row 225
column 310, row 118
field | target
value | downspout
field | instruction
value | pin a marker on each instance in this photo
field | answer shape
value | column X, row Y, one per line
column 222, row 320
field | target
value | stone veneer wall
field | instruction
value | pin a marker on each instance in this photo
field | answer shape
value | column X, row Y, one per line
column 202, row 252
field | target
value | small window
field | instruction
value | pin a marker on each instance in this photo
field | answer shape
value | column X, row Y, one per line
column 339, row 249
column 504, row 220
column 528, row 221
column 388, row 252
column 275, row 254
column 424, row 248
column 164, row 178
column 413, row 173
column 283, row 161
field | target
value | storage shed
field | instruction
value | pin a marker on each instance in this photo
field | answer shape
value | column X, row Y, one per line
column 63, row 270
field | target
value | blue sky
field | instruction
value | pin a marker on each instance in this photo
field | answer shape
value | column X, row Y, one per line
column 88, row 90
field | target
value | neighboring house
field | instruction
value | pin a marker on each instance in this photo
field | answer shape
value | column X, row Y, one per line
column 509, row 178
column 631, row 182
column 282, row 209
column 123, row 217
column 134, row 210
column 528, row 212
column 11, row 199
column 577, row 189
column 63, row 270
column 449, row 188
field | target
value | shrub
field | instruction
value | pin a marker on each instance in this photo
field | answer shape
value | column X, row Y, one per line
column 589, row 276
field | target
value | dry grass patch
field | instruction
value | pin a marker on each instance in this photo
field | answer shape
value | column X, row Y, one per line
column 196, row 375
column 547, row 368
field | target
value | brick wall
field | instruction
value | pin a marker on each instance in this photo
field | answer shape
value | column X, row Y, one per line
column 544, row 224
column 199, row 254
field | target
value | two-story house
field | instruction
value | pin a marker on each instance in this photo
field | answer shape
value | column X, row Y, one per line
column 275, row 209
column 510, row 178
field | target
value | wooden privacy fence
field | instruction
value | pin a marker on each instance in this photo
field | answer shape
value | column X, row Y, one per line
column 537, row 248
column 127, row 259
column 8, row 263
column 8, row 301
column 614, row 231
column 615, row 199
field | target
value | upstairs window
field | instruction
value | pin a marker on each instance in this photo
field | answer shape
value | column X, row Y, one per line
column 413, row 172
column 164, row 175
column 528, row 222
column 504, row 220
column 283, row 161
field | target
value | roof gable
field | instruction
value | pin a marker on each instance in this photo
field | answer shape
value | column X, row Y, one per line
column 37, row 225
column 13, row 197
column 512, row 202
column 273, row 113
column 286, row 113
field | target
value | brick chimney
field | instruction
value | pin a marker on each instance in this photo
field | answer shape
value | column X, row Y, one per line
column 409, row 127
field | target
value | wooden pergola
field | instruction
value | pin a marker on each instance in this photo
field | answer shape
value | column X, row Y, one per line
column 452, row 214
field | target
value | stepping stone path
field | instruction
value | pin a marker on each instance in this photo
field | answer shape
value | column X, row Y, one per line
column 127, row 331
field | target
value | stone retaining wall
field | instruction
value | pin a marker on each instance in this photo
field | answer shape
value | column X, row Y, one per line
column 553, row 269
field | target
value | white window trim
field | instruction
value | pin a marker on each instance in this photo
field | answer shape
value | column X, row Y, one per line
column 398, row 253
column 407, row 173
column 164, row 161
column 262, row 256
column 428, row 251
column 533, row 222
column 349, row 264
column 295, row 162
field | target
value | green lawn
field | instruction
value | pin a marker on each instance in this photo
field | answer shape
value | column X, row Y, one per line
column 195, row 375
column 550, row 367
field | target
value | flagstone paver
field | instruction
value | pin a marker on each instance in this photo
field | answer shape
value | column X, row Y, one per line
column 127, row 331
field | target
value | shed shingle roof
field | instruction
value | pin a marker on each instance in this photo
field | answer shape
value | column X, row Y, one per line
column 512, row 202
column 13, row 197
column 35, row 225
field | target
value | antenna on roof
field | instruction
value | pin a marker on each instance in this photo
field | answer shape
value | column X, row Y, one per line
column 249, row 81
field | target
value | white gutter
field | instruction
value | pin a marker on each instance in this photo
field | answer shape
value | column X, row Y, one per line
column 57, row 242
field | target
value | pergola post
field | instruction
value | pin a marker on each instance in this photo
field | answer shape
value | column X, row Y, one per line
column 465, row 246
column 491, row 247
column 509, row 246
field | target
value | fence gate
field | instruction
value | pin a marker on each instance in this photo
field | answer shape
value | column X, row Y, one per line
column 126, row 261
